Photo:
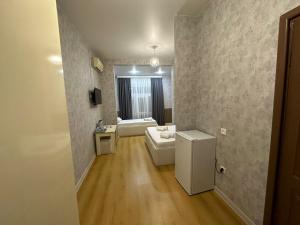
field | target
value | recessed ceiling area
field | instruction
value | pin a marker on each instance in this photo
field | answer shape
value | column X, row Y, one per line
column 118, row 29
column 141, row 70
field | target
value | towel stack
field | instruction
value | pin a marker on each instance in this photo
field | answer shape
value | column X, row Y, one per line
column 167, row 135
column 162, row 128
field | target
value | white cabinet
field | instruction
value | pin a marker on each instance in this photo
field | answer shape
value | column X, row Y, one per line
column 195, row 161
column 106, row 141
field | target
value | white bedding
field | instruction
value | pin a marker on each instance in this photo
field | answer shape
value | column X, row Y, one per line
column 162, row 150
column 162, row 142
column 134, row 122
column 134, row 127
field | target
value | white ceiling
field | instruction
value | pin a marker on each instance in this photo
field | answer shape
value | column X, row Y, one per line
column 117, row 29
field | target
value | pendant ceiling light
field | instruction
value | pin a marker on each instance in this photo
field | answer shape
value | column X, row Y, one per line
column 154, row 61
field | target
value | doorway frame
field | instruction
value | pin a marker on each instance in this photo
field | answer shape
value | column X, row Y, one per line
column 278, row 111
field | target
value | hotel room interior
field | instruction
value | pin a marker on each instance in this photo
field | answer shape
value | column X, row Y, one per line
column 162, row 112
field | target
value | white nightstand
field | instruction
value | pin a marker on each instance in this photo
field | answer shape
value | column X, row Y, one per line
column 106, row 141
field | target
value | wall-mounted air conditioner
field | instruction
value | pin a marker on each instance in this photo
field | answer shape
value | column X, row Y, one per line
column 97, row 64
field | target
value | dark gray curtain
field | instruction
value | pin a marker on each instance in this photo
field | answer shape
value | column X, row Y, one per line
column 124, row 96
column 157, row 100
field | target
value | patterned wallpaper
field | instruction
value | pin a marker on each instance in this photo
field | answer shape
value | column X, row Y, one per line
column 107, row 80
column 168, row 91
column 79, row 79
column 185, row 82
column 236, row 47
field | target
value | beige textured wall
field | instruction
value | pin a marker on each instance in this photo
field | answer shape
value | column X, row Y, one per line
column 107, row 80
column 185, row 84
column 168, row 90
column 235, row 71
column 79, row 77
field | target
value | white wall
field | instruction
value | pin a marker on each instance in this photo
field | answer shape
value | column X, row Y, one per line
column 37, row 180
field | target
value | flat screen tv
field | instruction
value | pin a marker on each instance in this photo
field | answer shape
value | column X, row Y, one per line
column 95, row 96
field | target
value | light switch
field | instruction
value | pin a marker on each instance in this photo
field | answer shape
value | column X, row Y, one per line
column 224, row 131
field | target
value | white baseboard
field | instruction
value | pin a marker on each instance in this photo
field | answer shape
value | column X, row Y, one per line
column 87, row 169
column 234, row 207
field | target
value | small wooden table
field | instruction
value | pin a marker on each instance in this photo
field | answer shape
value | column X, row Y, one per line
column 107, row 139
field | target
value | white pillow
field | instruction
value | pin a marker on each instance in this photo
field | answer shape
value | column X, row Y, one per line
column 119, row 119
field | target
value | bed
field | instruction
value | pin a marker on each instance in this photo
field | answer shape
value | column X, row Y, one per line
column 134, row 127
column 162, row 150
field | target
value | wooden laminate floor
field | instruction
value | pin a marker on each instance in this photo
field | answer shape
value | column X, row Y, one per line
column 126, row 188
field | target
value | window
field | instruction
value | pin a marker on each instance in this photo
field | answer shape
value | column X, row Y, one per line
column 141, row 98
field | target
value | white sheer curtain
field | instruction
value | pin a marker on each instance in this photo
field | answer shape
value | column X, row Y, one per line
column 141, row 97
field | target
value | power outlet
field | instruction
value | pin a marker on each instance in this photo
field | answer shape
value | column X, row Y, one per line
column 222, row 169
column 224, row 131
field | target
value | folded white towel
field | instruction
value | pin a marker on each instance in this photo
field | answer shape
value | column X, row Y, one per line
column 167, row 135
column 148, row 119
column 162, row 128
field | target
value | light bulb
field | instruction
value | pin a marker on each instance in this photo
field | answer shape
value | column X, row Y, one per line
column 133, row 70
column 160, row 71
